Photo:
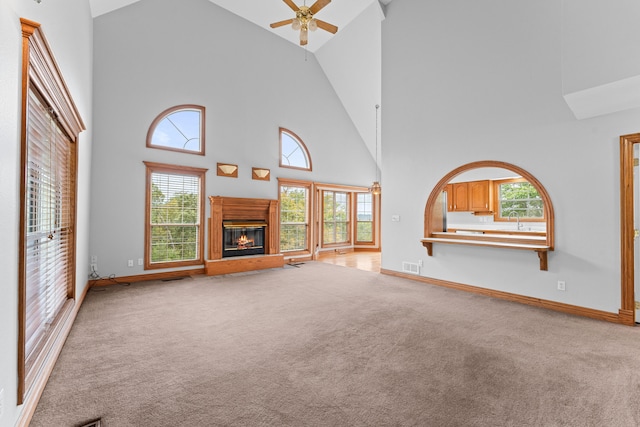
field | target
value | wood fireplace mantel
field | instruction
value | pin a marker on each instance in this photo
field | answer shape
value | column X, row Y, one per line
column 236, row 208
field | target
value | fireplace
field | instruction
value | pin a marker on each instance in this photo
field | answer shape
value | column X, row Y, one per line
column 244, row 235
column 240, row 238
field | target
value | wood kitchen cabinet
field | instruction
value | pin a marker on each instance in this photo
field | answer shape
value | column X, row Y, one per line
column 480, row 196
column 458, row 197
column 474, row 196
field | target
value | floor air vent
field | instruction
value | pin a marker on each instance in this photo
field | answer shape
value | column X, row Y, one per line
column 94, row 423
column 410, row 267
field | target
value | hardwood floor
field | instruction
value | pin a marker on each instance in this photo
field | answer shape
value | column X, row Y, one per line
column 369, row 261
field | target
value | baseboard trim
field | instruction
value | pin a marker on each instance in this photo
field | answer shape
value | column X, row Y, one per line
column 366, row 249
column 627, row 317
column 536, row 302
column 33, row 397
column 106, row 281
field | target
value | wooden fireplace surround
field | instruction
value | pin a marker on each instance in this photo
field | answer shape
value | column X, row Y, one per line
column 236, row 208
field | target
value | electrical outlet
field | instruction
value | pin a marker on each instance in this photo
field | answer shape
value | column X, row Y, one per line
column 419, row 263
column 561, row 285
column 94, row 268
column 130, row 263
column 140, row 261
column 94, row 259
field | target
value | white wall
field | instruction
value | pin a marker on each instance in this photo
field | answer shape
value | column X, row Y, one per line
column 599, row 42
column 155, row 54
column 464, row 81
column 352, row 62
column 601, row 72
column 67, row 26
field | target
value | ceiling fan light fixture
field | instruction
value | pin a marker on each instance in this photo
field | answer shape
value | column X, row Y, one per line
column 304, row 20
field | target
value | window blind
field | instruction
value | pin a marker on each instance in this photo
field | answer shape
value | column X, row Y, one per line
column 175, row 217
column 49, row 207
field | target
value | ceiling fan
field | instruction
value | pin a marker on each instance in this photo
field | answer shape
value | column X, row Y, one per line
column 304, row 20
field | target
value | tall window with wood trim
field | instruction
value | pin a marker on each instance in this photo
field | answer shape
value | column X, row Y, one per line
column 174, row 234
column 50, row 128
column 365, row 219
column 335, row 224
column 295, row 217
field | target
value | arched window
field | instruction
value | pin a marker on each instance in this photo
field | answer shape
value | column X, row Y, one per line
column 179, row 128
column 293, row 152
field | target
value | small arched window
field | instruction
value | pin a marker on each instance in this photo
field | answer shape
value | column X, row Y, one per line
column 293, row 152
column 179, row 128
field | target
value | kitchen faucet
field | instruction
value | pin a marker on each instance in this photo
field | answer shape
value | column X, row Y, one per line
column 517, row 219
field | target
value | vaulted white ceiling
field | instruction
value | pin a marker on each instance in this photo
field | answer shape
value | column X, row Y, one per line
column 264, row 12
column 359, row 30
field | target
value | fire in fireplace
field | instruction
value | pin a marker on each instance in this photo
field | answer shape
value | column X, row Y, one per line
column 243, row 238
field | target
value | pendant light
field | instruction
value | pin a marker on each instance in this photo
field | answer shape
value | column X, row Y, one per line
column 376, row 189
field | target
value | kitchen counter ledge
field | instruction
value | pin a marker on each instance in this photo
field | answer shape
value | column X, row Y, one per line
column 528, row 243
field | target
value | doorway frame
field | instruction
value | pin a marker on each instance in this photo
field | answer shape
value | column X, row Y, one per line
column 627, row 311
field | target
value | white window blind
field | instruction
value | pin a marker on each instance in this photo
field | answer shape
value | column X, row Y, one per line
column 174, row 217
column 49, row 222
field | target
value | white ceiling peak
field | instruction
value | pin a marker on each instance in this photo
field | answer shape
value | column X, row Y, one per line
column 100, row 7
column 358, row 90
column 264, row 12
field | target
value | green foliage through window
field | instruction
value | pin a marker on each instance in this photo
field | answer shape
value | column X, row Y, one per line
column 520, row 198
column 364, row 227
column 175, row 217
column 336, row 217
column 293, row 218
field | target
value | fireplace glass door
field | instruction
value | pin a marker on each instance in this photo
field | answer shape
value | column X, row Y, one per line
column 243, row 238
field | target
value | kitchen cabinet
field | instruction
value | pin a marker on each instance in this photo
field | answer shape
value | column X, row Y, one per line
column 474, row 196
column 480, row 196
column 458, row 197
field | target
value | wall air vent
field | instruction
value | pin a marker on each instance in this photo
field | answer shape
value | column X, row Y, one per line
column 410, row 267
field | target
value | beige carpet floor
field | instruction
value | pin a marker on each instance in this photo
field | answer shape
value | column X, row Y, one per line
column 324, row 345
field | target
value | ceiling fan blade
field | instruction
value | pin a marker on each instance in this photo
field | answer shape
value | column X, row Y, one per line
column 292, row 5
column 326, row 26
column 281, row 23
column 319, row 4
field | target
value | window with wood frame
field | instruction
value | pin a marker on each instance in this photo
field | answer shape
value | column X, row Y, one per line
column 335, row 218
column 516, row 197
column 179, row 128
column 49, row 134
column 174, row 231
column 293, row 152
column 295, row 213
column 365, row 218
